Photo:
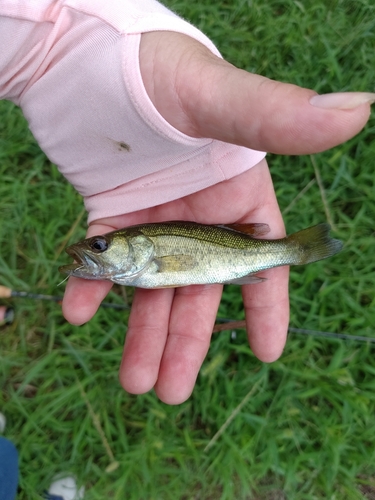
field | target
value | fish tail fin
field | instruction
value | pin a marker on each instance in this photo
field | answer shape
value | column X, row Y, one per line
column 314, row 243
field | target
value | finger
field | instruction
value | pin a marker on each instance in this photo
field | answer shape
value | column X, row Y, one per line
column 270, row 116
column 267, row 314
column 204, row 96
column 145, row 339
column 191, row 323
column 83, row 297
column 267, row 303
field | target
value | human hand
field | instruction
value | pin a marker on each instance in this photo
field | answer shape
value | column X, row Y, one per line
column 202, row 96
column 170, row 329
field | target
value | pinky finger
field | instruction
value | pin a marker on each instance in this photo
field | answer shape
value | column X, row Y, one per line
column 82, row 299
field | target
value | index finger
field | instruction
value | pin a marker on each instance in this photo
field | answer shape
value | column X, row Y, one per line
column 267, row 314
column 267, row 303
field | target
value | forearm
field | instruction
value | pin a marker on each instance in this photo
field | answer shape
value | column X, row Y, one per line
column 73, row 67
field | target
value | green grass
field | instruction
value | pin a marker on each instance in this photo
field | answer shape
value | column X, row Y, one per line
column 306, row 427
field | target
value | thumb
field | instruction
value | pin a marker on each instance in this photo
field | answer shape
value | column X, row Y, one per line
column 205, row 96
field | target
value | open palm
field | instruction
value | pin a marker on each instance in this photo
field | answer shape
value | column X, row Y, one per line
column 170, row 329
column 199, row 94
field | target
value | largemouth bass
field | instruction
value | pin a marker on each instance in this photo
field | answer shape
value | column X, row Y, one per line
column 179, row 253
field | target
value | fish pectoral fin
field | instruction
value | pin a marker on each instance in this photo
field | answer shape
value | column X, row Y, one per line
column 249, row 279
column 175, row 263
column 254, row 230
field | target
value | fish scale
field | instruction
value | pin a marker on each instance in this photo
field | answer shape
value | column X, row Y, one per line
column 221, row 263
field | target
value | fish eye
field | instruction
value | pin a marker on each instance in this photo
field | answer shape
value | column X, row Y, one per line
column 99, row 244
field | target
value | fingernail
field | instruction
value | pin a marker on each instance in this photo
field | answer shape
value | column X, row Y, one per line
column 6, row 315
column 342, row 100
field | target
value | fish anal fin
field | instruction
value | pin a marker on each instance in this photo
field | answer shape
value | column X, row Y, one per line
column 255, row 229
column 175, row 263
column 249, row 279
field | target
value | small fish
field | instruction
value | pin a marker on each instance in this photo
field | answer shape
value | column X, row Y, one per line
column 179, row 253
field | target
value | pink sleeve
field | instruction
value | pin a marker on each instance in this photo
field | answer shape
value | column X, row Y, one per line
column 73, row 67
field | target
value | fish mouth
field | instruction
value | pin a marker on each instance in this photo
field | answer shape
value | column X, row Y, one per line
column 84, row 267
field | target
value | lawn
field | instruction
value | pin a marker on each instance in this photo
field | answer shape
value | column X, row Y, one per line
column 298, row 429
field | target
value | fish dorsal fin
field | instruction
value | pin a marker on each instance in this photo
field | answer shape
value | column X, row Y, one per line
column 254, row 230
column 249, row 279
column 175, row 263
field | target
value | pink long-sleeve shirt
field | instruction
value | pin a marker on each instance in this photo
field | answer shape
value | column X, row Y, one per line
column 73, row 67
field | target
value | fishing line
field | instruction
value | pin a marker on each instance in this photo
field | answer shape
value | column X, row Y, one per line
column 7, row 293
column 223, row 324
column 229, row 324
